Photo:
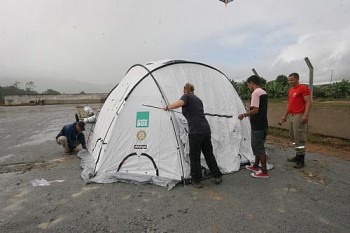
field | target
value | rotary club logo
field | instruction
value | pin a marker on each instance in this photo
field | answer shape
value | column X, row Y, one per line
column 141, row 135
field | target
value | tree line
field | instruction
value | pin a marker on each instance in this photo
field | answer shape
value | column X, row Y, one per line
column 29, row 89
column 278, row 89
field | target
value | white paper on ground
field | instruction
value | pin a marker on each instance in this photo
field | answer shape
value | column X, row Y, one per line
column 43, row 182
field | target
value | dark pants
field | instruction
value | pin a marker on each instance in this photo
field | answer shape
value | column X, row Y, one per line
column 202, row 143
column 258, row 142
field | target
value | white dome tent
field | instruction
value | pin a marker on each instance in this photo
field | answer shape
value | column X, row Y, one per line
column 134, row 140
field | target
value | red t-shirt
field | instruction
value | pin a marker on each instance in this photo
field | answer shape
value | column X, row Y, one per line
column 296, row 103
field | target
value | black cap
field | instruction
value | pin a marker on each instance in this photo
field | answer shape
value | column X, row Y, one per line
column 81, row 125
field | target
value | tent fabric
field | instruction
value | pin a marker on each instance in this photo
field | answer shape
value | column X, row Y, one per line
column 135, row 141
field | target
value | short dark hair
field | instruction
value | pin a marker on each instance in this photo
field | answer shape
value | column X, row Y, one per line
column 254, row 79
column 82, row 125
column 295, row 75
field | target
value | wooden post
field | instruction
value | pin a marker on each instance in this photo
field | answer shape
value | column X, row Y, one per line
column 254, row 71
column 311, row 76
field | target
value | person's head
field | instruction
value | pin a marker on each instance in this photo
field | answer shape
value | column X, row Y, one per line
column 293, row 79
column 253, row 82
column 188, row 88
column 80, row 126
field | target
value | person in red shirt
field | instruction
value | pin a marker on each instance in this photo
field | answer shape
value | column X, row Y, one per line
column 299, row 104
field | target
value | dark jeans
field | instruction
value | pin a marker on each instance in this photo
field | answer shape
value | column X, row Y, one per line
column 202, row 143
column 258, row 142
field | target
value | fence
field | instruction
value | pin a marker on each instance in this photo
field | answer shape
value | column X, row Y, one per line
column 13, row 100
column 330, row 120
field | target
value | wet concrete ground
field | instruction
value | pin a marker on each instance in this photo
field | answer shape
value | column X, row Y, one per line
column 313, row 199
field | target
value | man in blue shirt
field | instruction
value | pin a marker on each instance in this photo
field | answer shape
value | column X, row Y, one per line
column 71, row 136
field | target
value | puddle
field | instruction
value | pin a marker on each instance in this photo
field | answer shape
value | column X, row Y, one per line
column 46, row 225
column 37, row 139
column 27, row 166
column 84, row 190
column 3, row 158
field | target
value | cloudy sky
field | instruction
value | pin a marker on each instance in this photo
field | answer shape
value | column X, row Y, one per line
column 96, row 41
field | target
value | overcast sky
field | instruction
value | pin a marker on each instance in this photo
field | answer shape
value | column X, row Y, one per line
column 96, row 41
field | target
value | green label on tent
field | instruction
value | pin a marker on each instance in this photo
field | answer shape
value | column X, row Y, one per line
column 142, row 119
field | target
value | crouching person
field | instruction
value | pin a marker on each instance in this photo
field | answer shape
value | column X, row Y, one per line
column 71, row 136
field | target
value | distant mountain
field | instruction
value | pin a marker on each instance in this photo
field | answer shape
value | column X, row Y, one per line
column 62, row 86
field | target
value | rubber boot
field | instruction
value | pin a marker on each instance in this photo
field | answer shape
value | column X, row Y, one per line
column 294, row 159
column 301, row 162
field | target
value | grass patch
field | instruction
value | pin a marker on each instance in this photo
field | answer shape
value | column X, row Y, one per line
column 314, row 138
column 336, row 104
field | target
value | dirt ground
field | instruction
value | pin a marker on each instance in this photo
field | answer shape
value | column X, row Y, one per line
column 343, row 152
